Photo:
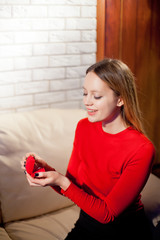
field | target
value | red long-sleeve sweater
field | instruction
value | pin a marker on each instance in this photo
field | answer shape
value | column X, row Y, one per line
column 108, row 171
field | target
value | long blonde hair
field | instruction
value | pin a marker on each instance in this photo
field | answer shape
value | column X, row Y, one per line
column 121, row 80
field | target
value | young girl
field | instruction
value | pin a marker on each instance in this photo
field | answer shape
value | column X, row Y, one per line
column 111, row 159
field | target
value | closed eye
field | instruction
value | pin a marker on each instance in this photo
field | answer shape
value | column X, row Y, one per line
column 97, row 97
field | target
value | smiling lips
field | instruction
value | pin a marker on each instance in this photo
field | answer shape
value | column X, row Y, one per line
column 91, row 111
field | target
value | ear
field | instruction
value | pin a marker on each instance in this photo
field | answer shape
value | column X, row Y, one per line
column 120, row 102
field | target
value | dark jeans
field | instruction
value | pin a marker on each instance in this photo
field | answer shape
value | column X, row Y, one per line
column 130, row 226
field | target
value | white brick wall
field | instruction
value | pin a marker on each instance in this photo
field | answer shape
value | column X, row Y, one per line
column 45, row 48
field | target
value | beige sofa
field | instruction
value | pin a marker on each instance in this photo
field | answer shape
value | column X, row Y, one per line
column 29, row 213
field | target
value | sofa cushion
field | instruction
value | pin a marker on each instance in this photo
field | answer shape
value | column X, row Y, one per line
column 4, row 234
column 52, row 226
column 50, row 134
column 151, row 199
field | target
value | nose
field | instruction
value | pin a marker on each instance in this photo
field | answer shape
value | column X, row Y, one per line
column 87, row 100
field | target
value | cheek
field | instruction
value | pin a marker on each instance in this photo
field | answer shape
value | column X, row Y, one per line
column 107, row 106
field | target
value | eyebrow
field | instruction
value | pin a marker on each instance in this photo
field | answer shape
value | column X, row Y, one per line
column 92, row 90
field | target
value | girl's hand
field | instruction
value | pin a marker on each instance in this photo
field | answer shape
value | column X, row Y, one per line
column 51, row 178
column 48, row 178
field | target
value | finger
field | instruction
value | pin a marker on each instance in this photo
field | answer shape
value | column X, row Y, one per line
column 23, row 165
column 23, row 168
column 32, row 181
column 30, row 154
column 40, row 162
column 40, row 175
column 33, row 184
column 38, row 157
column 37, row 181
column 23, row 160
column 46, row 178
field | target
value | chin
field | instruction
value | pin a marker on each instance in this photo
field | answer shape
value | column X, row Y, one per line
column 92, row 119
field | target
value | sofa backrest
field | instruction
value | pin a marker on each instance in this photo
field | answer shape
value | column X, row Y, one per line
column 50, row 134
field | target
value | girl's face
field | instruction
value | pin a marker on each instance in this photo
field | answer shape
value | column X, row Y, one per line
column 100, row 100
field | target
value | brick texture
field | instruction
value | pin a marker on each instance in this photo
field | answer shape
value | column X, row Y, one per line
column 45, row 48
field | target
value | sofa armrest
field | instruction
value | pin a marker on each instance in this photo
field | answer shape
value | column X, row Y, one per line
column 3, row 234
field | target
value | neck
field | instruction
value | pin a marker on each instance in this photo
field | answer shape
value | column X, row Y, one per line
column 115, row 125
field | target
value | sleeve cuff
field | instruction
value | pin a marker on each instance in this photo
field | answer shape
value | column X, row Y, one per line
column 68, row 190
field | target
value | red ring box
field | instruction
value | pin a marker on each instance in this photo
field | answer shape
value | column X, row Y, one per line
column 32, row 167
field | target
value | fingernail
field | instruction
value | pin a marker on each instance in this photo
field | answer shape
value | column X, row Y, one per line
column 24, row 165
column 36, row 174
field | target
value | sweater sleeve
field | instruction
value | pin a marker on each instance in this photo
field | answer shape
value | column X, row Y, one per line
column 124, row 192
